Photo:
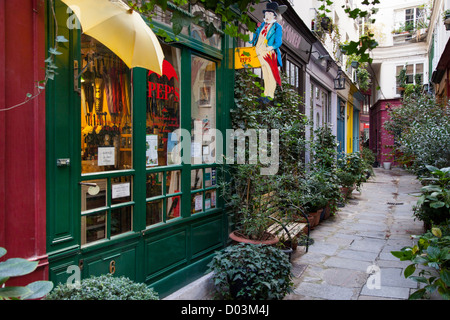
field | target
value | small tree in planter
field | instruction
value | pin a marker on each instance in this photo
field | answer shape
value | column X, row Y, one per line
column 251, row 272
column 247, row 194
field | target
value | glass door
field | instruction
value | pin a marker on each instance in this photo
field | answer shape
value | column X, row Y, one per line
column 106, row 135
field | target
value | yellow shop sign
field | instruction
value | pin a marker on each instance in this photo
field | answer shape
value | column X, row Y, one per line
column 245, row 57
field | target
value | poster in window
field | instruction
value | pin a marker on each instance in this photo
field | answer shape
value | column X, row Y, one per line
column 151, row 154
column 205, row 96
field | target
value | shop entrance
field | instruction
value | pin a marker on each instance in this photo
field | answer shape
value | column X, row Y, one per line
column 119, row 201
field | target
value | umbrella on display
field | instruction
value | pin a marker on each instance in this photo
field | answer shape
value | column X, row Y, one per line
column 122, row 30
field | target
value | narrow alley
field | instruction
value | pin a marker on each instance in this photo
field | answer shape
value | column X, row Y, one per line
column 358, row 240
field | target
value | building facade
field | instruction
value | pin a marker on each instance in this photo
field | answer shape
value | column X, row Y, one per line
column 93, row 181
column 400, row 59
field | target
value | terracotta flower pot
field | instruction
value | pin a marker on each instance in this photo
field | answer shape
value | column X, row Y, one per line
column 327, row 210
column 238, row 237
column 315, row 218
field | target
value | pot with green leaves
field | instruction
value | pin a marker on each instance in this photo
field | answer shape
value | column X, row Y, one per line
column 251, row 272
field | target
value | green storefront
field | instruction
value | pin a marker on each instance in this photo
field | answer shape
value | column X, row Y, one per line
column 118, row 200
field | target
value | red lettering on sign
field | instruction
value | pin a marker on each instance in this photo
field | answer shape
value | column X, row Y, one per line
column 163, row 91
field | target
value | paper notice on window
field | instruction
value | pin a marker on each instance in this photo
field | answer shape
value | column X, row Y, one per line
column 196, row 149
column 199, row 203
column 106, row 156
column 151, row 153
column 120, row 190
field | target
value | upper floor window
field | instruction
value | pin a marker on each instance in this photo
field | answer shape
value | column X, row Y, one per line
column 411, row 74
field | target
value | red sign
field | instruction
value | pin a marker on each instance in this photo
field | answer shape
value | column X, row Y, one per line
column 164, row 91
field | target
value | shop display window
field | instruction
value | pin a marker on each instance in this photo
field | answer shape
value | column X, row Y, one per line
column 154, row 212
column 107, row 146
column 204, row 193
column 121, row 220
column 94, row 227
column 164, row 203
column 163, row 110
column 106, row 109
column 203, row 111
column 106, row 208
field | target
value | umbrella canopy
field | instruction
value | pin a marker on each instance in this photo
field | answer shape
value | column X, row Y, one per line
column 122, row 30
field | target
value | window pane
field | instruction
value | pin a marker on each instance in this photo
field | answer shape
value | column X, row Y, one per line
column 198, row 32
column 93, row 228
column 93, row 194
column 121, row 190
column 210, row 177
column 196, row 179
column 210, row 200
column 173, row 207
column 163, row 109
column 154, row 184
column 419, row 68
column 154, row 212
column 409, row 69
column 106, row 110
column 121, row 220
column 197, row 202
column 173, row 182
column 203, row 97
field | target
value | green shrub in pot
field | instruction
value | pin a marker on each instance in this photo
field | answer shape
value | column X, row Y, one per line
column 251, row 272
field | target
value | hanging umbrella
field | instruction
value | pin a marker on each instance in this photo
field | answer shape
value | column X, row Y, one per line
column 122, row 30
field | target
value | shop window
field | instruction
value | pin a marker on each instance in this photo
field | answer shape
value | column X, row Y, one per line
column 106, row 208
column 106, row 109
column 203, row 189
column 198, row 32
column 163, row 196
column 163, row 110
column 106, row 143
column 293, row 74
column 203, row 111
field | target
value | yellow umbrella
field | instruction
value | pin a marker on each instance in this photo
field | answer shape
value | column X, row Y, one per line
column 122, row 30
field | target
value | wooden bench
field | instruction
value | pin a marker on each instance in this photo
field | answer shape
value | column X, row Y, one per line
column 283, row 227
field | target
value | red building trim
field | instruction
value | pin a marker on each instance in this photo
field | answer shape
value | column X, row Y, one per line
column 22, row 135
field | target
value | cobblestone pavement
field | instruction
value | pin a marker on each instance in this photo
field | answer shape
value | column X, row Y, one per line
column 358, row 240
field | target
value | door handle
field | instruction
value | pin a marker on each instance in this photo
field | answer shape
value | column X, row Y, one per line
column 88, row 184
column 93, row 189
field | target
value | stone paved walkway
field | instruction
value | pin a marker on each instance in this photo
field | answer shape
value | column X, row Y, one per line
column 358, row 239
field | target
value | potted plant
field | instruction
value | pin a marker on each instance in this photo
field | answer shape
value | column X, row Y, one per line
column 401, row 79
column 248, row 195
column 363, row 79
column 433, row 205
column 251, row 272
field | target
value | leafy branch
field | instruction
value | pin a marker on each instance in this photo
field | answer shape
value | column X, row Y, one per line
column 50, row 68
column 232, row 13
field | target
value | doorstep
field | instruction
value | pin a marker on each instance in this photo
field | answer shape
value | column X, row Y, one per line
column 200, row 289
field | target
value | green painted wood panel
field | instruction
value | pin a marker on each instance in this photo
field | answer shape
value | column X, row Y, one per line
column 165, row 252
column 206, row 236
